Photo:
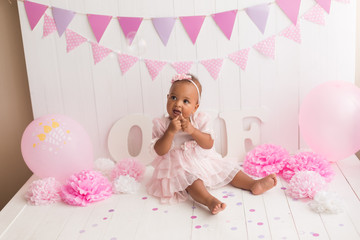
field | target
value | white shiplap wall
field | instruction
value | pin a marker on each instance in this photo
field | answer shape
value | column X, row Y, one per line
column 98, row 95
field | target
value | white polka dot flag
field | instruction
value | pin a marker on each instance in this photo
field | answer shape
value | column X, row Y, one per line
column 266, row 47
column 99, row 52
column 126, row 62
column 182, row 67
column 292, row 32
column 154, row 67
column 73, row 40
column 49, row 25
column 240, row 57
column 213, row 66
column 316, row 15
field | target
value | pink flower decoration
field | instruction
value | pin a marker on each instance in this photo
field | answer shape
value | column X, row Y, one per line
column 43, row 192
column 130, row 167
column 265, row 159
column 305, row 184
column 307, row 161
column 86, row 187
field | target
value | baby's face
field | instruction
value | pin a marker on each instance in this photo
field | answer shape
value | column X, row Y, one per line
column 182, row 99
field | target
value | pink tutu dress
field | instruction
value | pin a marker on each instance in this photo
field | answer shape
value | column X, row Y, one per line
column 186, row 162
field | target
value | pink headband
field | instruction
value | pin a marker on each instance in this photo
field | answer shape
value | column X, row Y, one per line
column 186, row 77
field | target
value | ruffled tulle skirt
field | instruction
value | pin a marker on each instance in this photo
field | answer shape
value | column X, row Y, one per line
column 179, row 168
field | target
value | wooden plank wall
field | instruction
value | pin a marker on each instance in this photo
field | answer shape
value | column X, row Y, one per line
column 98, row 95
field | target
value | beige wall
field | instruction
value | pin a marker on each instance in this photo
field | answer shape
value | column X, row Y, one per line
column 15, row 105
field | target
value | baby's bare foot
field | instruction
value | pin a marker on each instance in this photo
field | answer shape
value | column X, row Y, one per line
column 216, row 206
column 262, row 185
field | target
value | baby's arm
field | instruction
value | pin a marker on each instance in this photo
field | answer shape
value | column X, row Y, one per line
column 163, row 145
column 204, row 140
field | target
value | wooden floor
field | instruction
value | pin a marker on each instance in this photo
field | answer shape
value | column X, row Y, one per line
column 272, row 215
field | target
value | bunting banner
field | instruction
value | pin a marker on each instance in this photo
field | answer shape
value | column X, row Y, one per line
column 62, row 19
column 182, row 67
column 99, row 52
column 73, row 40
column 213, row 66
column 192, row 26
column 292, row 32
column 98, row 24
column 164, row 27
column 225, row 21
column 34, row 12
column 325, row 4
column 126, row 62
column 266, row 47
column 49, row 26
column 290, row 8
column 259, row 15
column 154, row 67
column 316, row 15
column 130, row 26
column 240, row 57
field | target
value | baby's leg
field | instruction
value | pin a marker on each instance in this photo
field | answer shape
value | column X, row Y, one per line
column 241, row 180
column 200, row 194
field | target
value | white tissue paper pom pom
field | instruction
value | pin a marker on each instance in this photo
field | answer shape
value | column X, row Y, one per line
column 104, row 165
column 43, row 192
column 327, row 202
column 125, row 184
column 305, row 184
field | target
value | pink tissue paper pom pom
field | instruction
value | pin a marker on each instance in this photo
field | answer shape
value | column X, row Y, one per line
column 130, row 167
column 308, row 161
column 86, row 187
column 305, row 184
column 265, row 159
column 43, row 192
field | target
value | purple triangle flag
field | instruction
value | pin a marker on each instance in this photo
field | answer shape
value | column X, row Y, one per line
column 34, row 12
column 98, row 24
column 164, row 27
column 325, row 4
column 290, row 8
column 259, row 15
column 192, row 25
column 225, row 21
column 130, row 26
column 62, row 19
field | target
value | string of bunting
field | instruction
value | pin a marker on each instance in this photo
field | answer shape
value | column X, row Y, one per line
column 62, row 18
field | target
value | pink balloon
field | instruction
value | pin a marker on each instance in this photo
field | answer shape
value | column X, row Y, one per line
column 56, row 146
column 329, row 119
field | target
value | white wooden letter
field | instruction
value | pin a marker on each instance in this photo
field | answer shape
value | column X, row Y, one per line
column 119, row 133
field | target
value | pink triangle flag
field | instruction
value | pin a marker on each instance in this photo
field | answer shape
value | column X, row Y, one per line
column 192, row 25
column 49, row 25
column 126, row 62
column 34, row 12
column 62, row 18
column 267, row 47
column 130, row 26
column 259, row 15
column 325, row 4
column 73, row 40
column 164, row 27
column 225, row 21
column 290, row 8
column 182, row 67
column 213, row 66
column 292, row 32
column 98, row 24
column 154, row 67
column 99, row 52
column 240, row 57
column 315, row 14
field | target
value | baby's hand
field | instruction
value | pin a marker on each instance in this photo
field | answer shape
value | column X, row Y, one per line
column 175, row 125
column 186, row 125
